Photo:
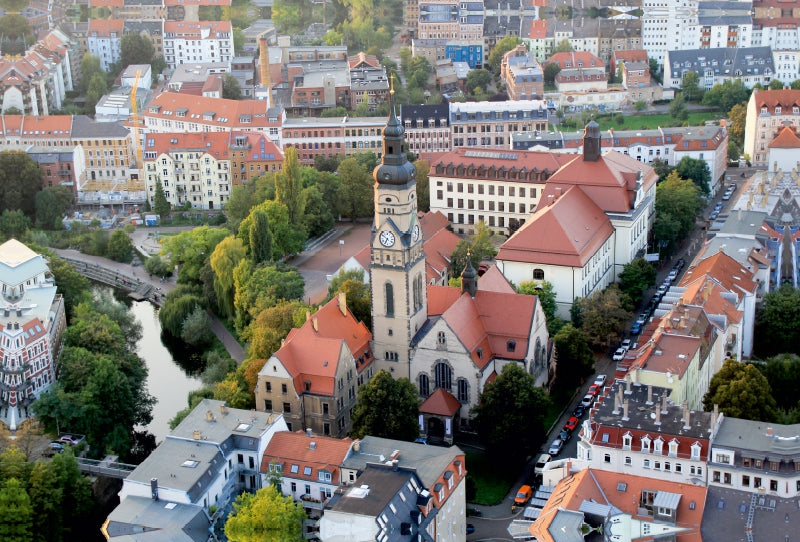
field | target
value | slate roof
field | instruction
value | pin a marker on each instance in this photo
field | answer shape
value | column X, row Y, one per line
column 750, row 60
column 140, row 519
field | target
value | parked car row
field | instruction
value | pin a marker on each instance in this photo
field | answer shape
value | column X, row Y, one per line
column 729, row 192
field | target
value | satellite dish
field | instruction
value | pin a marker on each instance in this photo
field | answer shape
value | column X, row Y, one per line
column 652, row 415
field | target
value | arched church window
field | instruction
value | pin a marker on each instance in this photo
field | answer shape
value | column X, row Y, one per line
column 424, row 385
column 463, row 390
column 444, row 376
column 389, row 291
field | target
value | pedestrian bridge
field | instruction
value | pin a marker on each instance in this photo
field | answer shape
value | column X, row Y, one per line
column 107, row 467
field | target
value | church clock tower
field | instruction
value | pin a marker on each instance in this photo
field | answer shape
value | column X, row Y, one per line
column 397, row 261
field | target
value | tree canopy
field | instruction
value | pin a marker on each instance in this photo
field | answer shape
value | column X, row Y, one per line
column 690, row 85
column 727, row 94
column 696, row 170
column 741, row 391
column 20, row 181
column 501, row 48
column 636, row 277
column 510, row 415
column 231, row 89
column 386, row 408
column 604, row 316
column 778, row 322
column 265, row 516
column 547, row 298
column 479, row 247
column 575, row 358
column 134, row 48
column 677, row 203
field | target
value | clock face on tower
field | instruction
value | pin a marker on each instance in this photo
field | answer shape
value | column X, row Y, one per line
column 387, row 238
column 415, row 233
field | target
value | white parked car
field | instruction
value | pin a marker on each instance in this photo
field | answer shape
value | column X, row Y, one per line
column 619, row 354
column 600, row 380
column 555, row 448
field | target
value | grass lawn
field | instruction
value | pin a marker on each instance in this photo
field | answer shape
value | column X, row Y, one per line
column 642, row 122
column 492, row 481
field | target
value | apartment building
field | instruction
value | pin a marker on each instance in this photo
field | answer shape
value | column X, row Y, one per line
column 522, row 74
column 103, row 40
column 427, row 128
column 767, row 112
column 491, row 124
column 500, row 189
column 714, row 66
column 204, row 41
column 331, row 136
column 635, row 429
column 368, row 81
column 252, row 155
column 33, row 318
column 192, row 168
column 314, row 376
column 60, row 166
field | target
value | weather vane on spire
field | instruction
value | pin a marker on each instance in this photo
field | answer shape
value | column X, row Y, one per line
column 391, row 84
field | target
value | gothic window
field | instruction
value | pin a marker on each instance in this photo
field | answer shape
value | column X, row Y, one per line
column 389, row 291
column 424, row 385
column 537, row 355
column 463, row 391
column 418, row 292
column 444, row 376
column 538, row 274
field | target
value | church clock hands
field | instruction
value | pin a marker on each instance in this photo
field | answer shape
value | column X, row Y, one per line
column 387, row 238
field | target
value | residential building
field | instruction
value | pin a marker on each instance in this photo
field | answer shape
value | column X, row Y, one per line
column 214, row 454
column 427, row 128
column 636, row 429
column 104, row 39
column 767, row 112
column 243, row 68
column 75, row 34
column 433, row 49
column 582, row 60
column 33, row 319
column 331, row 136
column 629, row 508
column 309, row 467
column 500, row 189
column 60, row 166
column 150, row 27
column 368, row 81
column 755, row 457
column 306, row 80
column 534, row 36
column 388, row 504
column 313, row 378
column 787, row 65
column 253, row 34
column 190, row 78
column 470, row 52
column 715, row 66
column 626, row 55
column 580, row 71
column 192, row 168
column 440, row 473
column 138, row 75
column 580, row 240
column 252, row 154
column 491, row 124
column 173, row 112
column 636, row 78
column 190, row 42
column 115, row 106
column 522, row 74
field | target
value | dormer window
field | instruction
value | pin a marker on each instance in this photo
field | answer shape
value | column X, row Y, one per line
column 777, row 110
column 673, row 448
column 658, row 445
column 626, row 441
column 646, row 444
column 696, row 451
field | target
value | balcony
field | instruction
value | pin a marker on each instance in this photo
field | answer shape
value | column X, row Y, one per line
column 311, row 503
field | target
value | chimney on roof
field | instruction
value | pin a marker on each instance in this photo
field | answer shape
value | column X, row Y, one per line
column 209, row 416
column 664, row 408
column 628, row 384
column 625, row 406
column 309, row 432
column 315, row 323
column 637, row 374
column 687, row 416
column 649, row 394
column 312, row 445
column 223, row 409
column 658, row 416
column 342, row 300
column 395, row 463
column 769, row 431
column 617, row 400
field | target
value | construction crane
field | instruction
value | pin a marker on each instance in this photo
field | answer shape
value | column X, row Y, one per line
column 137, row 143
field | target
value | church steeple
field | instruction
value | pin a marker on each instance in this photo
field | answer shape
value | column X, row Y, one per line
column 469, row 277
column 591, row 142
column 397, row 264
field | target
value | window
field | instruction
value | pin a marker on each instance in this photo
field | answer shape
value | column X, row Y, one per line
column 538, row 274
column 324, row 476
column 444, row 375
column 389, row 292
column 628, row 461
column 626, row 441
column 463, row 391
column 284, row 389
column 268, row 387
column 773, row 485
column 267, row 405
column 441, row 338
column 424, row 384
column 287, row 408
column 645, row 444
column 306, row 471
column 646, row 463
column 657, row 445
column 606, row 458
column 511, row 345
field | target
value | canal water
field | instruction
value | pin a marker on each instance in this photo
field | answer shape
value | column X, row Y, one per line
column 173, row 368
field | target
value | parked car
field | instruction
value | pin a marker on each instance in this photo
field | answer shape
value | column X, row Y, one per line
column 587, row 401
column 572, row 423
column 673, row 274
column 579, row 411
column 564, row 435
column 56, row 447
column 470, row 528
column 662, row 290
column 625, row 344
column 680, row 263
column 594, row 389
column 732, row 187
column 543, row 460
column 619, row 354
column 727, row 195
column 556, row 447
column 523, row 495
column 600, row 380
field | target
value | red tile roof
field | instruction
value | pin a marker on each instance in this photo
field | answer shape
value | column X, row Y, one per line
column 494, row 281
column 786, row 98
column 610, row 181
column 312, row 355
column 725, row 270
column 431, row 222
column 567, row 233
column 577, row 59
column 438, row 249
column 499, row 159
column 289, row 449
column 214, row 144
column 194, row 30
column 630, row 55
column 104, row 27
column 235, row 114
column 362, row 58
column 538, row 29
column 440, row 403
column 786, row 139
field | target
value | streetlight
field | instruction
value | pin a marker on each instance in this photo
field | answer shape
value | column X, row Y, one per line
column 341, row 242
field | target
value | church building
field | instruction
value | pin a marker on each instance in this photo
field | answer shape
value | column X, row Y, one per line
column 441, row 337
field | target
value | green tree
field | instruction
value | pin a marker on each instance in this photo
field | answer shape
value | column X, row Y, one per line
column 677, row 108
column 51, row 205
column 289, row 186
column 231, row 90
column 46, row 496
column 318, row 217
column 741, row 391
column 734, row 151
column 640, row 105
column 795, row 85
column 262, row 287
column 265, row 515
column 191, row 250
column 604, row 317
column 662, row 168
column 775, row 84
column 260, row 237
column 778, row 322
column 501, row 48
column 547, row 298
column 14, row 26
column 783, row 374
column 423, row 185
column 20, row 181
column 636, row 277
column 655, row 70
column 690, row 85
column 157, row 66
column 196, row 328
column 479, row 79
column 16, row 512
column 226, row 256
column 271, row 326
column 551, row 69
column 120, row 247
column 285, row 239
column 736, row 123
column 158, row 266
column 135, row 48
column 356, row 291
column 355, row 190
column 90, row 66
column 176, row 310
column 696, row 170
column 727, row 94
column 73, row 286
column 510, row 415
column 677, row 203
column 386, row 408
column 480, row 247
column 13, row 224
column 161, row 206
column 575, row 358
column 97, row 89
column 563, row 46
